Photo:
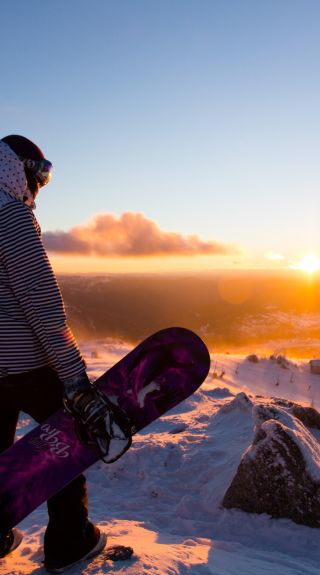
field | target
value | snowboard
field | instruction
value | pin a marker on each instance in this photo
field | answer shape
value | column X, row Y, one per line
column 154, row 377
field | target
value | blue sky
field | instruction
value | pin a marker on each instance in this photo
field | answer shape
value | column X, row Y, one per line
column 203, row 115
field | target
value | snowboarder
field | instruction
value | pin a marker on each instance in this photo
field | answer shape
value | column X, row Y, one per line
column 41, row 366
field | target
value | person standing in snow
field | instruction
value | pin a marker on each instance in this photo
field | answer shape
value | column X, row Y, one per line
column 41, row 366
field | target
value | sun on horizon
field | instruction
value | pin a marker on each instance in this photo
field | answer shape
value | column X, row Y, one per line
column 310, row 263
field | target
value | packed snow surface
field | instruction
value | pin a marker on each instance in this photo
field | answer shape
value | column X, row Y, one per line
column 163, row 497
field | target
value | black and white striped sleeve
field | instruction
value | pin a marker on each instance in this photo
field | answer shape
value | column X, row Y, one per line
column 34, row 285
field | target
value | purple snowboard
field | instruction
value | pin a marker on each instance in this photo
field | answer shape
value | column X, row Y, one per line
column 158, row 374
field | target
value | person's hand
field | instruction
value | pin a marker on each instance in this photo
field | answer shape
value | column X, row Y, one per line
column 76, row 385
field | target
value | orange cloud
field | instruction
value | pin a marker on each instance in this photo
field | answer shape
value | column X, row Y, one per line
column 131, row 234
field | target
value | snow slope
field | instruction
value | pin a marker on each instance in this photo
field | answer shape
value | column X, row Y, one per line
column 163, row 497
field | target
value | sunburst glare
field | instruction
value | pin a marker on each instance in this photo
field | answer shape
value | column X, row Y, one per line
column 309, row 263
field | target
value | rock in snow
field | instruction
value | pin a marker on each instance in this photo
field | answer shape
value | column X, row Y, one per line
column 279, row 473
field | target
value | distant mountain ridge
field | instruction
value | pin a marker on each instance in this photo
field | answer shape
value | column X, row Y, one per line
column 230, row 311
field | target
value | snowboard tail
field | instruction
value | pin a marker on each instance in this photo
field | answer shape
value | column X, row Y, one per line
column 151, row 379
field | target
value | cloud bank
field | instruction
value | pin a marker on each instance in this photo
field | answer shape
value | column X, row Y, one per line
column 130, row 234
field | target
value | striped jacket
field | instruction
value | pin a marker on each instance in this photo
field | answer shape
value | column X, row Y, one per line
column 33, row 325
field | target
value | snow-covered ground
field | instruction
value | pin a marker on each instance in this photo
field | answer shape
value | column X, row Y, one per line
column 163, row 497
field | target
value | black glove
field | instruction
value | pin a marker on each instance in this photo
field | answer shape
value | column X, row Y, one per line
column 76, row 384
column 99, row 422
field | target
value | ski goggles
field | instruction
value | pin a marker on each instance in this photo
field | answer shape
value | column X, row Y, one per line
column 41, row 169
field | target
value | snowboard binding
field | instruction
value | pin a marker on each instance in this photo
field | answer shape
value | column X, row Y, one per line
column 100, row 423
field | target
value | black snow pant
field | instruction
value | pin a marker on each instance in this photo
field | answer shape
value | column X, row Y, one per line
column 39, row 394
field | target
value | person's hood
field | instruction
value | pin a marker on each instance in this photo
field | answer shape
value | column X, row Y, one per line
column 12, row 176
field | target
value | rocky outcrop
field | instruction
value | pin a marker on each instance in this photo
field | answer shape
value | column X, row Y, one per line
column 279, row 474
column 308, row 415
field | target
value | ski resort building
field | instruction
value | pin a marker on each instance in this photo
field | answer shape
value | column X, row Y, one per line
column 315, row 366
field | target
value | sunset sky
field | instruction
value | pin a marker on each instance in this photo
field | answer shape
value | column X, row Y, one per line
column 185, row 134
